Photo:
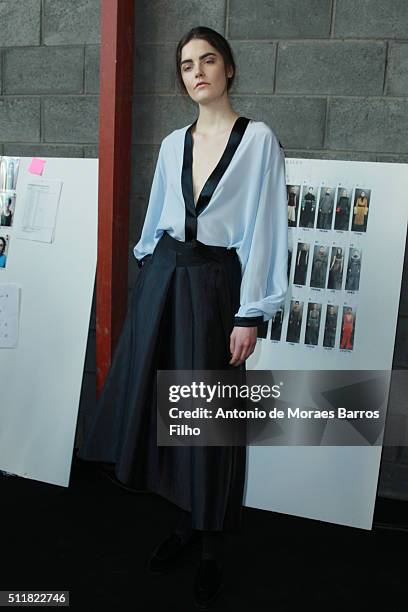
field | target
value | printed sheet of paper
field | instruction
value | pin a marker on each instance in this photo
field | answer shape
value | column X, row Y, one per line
column 40, row 208
column 9, row 314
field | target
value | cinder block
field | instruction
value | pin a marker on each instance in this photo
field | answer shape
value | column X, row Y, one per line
column 276, row 19
column 154, row 68
column 71, row 119
column 255, row 67
column 20, row 119
column 397, row 70
column 91, row 151
column 39, row 70
column 144, row 158
column 377, row 124
column 371, row 19
column 298, row 121
column 392, row 158
column 92, row 53
column 43, row 150
column 167, row 20
column 20, row 23
column 154, row 117
column 331, row 67
column 73, row 22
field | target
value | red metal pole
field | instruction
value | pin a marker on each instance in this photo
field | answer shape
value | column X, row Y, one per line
column 115, row 121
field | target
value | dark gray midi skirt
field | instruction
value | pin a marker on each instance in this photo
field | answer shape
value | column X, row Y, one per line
column 180, row 316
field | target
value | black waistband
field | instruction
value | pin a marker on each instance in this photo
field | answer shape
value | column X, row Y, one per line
column 195, row 246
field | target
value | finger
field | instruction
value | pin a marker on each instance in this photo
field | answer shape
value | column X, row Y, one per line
column 232, row 343
column 236, row 353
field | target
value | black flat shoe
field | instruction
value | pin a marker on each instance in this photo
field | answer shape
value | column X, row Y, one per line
column 208, row 583
column 169, row 551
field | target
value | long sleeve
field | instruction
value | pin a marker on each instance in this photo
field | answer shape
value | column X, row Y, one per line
column 147, row 241
column 264, row 275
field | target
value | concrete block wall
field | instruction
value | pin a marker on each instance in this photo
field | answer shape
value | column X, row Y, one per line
column 329, row 76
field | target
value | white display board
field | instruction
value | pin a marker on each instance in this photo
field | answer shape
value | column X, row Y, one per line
column 51, row 252
column 329, row 483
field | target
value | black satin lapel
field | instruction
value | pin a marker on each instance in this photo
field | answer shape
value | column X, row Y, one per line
column 187, row 186
column 192, row 210
column 216, row 175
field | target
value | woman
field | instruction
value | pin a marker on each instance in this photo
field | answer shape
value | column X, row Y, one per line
column 3, row 256
column 213, row 258
column 6, row 215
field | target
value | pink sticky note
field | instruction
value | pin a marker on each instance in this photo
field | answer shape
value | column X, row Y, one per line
column 36, row 166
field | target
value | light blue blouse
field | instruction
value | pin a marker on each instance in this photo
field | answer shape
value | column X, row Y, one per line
column 247, row 210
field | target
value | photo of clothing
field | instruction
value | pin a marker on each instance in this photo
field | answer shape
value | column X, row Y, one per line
column 353, row 270
column 292, row 203
column 312, row 324
column 307, row 210
column 319, row 268
column 295, row 321
column 324, row 217
column 276, row 326
column 341, row 221
column 360, row 213
column 336, row 269
column 347, row 329
column 6, row 210
column 302, row 259
column 330, row 326
column 289, row 261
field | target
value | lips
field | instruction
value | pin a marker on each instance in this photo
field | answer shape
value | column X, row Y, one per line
column 198, row 84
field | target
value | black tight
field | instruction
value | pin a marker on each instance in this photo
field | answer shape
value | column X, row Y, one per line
column 212, row 545
column 183, row 527
column 212, row 541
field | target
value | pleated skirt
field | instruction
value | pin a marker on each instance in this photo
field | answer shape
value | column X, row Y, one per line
column 180, row 316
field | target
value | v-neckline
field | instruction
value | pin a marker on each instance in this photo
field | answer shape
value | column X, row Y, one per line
column 190, row 135
column 193, row 209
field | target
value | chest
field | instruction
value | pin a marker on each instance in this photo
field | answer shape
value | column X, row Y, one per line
column 207, row 152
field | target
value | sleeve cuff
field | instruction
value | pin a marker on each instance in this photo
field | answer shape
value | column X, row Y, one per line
column 248, row 321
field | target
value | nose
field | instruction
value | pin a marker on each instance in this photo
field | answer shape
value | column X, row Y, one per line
column 199, row 71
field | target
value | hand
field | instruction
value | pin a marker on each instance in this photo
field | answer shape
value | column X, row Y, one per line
column 242, row 344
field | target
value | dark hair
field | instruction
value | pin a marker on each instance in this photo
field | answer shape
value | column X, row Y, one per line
column 216, row 40
column 4, row 244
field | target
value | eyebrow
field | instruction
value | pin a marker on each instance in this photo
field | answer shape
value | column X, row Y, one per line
column 201, row 57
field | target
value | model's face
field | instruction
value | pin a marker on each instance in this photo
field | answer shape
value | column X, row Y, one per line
column 2, row 248
column 200, row 62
